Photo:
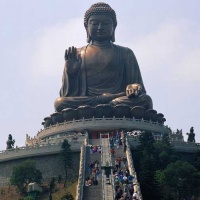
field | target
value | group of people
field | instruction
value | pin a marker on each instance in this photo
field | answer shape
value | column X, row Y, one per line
column 95, row 149
column 126, row 196
column 94, row 171
column 116, row 141
column 123, row 180
column 123, row 177
column 124, row 186
column 119, row 162
column 134, row 133
column 91, row 181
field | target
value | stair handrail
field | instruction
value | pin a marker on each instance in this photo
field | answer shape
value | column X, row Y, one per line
column 132, row 169
column 81, row 179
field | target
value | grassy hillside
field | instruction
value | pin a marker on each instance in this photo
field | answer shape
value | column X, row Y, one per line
column 11, row 193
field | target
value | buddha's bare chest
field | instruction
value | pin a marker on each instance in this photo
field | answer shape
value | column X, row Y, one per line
column 97, row 59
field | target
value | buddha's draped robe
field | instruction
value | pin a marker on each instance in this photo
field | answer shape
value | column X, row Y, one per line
column 88, row 89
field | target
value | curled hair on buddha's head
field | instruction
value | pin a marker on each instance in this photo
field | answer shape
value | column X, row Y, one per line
column 98, row 9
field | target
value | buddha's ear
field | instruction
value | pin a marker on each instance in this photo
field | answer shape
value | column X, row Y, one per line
column 88, row 36
column 113, row 35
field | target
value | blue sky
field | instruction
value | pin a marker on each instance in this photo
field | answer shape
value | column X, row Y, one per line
column 164, row 36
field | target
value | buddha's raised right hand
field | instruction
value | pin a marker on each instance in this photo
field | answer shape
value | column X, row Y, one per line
column 72, row 60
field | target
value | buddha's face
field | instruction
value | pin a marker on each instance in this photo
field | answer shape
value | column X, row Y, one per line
column 100, row 27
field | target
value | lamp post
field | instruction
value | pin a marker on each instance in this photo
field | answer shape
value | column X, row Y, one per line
column 107, row 169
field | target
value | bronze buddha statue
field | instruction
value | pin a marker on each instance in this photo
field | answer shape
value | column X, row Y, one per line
column 101, row 72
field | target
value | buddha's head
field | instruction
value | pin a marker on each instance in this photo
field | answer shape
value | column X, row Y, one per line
column 100, row 22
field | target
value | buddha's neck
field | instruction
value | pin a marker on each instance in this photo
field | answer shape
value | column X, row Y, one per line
column 102, row 44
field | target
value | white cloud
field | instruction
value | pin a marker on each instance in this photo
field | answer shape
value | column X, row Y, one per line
column 48, row 58
column 188, row 69
column 172, row 48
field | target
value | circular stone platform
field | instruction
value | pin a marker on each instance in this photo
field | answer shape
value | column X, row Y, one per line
column 102, row 124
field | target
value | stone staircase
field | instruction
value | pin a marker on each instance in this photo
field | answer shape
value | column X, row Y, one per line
column 103, row 190
column 119, row 152
column 94, row 191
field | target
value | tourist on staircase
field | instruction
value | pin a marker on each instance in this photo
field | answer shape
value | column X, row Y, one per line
column 112, row 151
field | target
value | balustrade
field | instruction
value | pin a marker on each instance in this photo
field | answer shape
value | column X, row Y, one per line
column 99, row 123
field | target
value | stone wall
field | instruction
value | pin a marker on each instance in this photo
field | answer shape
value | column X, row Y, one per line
column 49, row 165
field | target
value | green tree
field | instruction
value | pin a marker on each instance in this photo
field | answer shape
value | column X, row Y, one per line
column 163, row 154
column 152, row 156
column 179, row 180
column 59, row 178
column 147, row 178
column 146, row 142
column 52, row 184
column 27, row 198
column 145, row 164
column 67, row 196
column 25, row 173
column 196, row 162
column 161, row 173
column 66, row 154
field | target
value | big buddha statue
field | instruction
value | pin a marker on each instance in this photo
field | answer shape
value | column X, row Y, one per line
column 101, row 72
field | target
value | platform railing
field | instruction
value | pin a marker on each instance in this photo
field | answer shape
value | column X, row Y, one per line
column 179, row 146
column 81, row 179
column 37, row 150
column 97, row 122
